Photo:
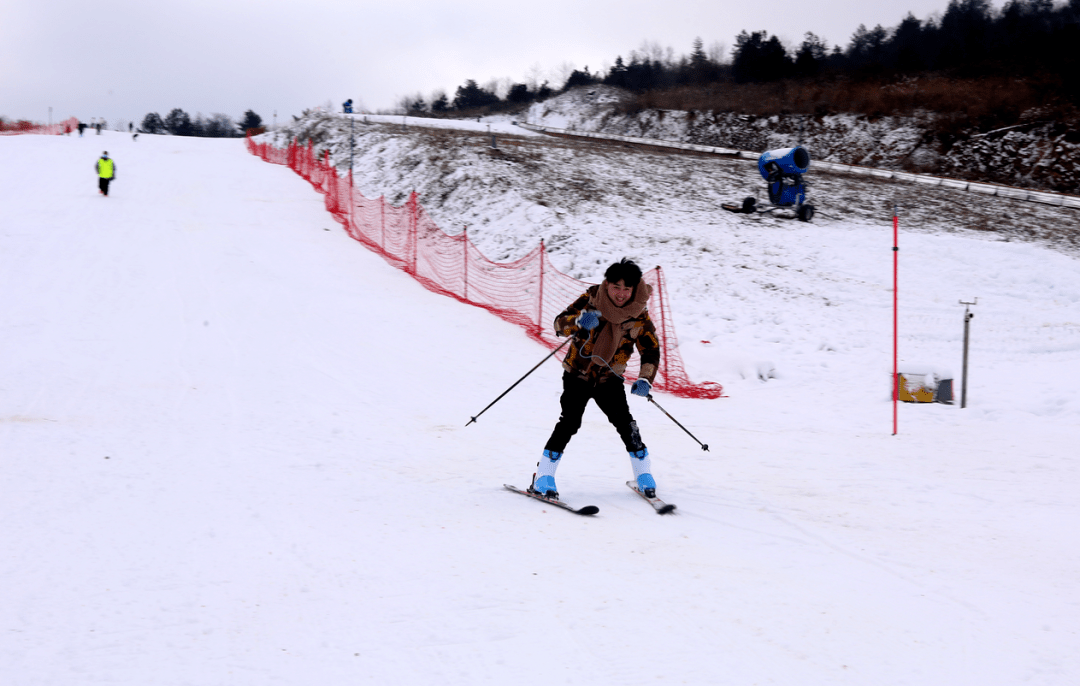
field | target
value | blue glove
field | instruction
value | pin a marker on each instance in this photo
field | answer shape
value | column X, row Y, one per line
column 588, row 320
column 641, row 387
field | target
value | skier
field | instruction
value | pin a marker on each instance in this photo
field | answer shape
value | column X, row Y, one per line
column 608, row 321
column 106, row 169
column 347, row 105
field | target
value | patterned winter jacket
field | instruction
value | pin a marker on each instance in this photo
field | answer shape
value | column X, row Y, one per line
column 637, row 332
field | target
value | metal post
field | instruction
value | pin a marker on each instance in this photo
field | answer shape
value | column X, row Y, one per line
column 967, row 336
column 896, row 317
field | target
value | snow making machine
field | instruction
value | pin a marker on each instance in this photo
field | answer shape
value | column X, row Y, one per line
column 783, row 173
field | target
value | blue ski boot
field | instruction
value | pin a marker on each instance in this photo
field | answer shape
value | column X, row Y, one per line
column 544, row 478
column 642, row 465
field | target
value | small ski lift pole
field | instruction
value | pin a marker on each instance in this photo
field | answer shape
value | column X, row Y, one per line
column 704, row 446
column 967, row 336
column 570, row 338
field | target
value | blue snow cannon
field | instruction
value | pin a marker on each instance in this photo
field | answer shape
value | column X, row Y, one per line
column 782, row 170
column 788, row 161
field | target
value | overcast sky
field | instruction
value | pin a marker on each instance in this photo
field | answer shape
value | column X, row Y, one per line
column 120, row 59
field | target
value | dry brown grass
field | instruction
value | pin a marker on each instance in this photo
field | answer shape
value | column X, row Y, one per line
column 971, row 104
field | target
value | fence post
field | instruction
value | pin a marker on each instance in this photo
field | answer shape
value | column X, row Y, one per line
column 540, row 296
column 896, row 319
column 414, row 231
column 663, row 322
column 465, row 261
column 353, row 229
column 967, row 337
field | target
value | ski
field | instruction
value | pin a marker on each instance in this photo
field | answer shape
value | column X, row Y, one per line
column 659, row 505
column 587, row 510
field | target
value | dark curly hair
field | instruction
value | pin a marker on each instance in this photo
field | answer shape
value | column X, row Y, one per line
column 624, row 270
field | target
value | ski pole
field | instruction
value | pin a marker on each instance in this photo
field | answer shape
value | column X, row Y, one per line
column 653, row 401
column 521, row 379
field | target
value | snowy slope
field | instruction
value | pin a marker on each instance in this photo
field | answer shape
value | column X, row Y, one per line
column 234, row 451
column 1039, row 153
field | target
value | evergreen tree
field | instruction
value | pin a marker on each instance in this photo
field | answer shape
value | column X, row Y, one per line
column 579, row 78
column 642, row 74
column 617, row 74
column 519, row 93
column 700, row 69
column 867, row 49
column 471, row 96
column 250, row 121
column 152, row 123
column 759, row 58
column 178, row 123
column 811, row 56
column 965, row 36
column 911, row 46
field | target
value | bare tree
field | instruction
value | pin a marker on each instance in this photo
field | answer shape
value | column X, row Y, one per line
column 534, row 76
column 219, row 126
column 499, row 87
column 563, row 72
column 718, row 52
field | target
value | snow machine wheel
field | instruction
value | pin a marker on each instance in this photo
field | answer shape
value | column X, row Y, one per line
column 749, row 205
column 806, row 212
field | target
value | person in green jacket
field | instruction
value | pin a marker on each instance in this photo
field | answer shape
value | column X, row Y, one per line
column 106, row 169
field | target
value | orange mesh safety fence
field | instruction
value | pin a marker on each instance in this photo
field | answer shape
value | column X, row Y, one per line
column 528, row 292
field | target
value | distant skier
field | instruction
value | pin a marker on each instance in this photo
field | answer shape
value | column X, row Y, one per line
column 608, row 321
column 347, row 106
column 106, row 169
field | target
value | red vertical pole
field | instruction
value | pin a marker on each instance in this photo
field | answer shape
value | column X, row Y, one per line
column 414, row 230
column 663, row 323
column 354, row 230
column 540, row 296
column 896, row 319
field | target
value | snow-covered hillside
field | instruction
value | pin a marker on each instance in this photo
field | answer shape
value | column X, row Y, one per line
column 234, row 450
column 1039, row 153
column 592, row 202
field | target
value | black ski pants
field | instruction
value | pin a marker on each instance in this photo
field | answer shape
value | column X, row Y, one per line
column 103, row 185
column 610, row 397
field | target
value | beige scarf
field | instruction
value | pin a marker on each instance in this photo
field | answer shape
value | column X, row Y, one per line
column 607, row 342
